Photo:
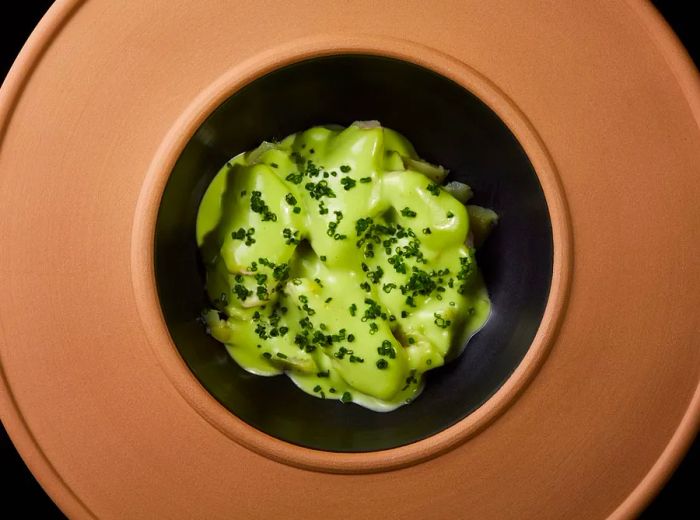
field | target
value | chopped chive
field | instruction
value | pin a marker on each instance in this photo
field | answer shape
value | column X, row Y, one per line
column 258, row 205
column 434, row 189
column 296, row 178
column 348, row 183
column 441, row 322
column 386, row 349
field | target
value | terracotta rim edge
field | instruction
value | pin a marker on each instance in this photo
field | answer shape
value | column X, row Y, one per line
column 13, row 420
column 16, row 426
column 144, row 236
column 687, row 76
column 61, row 12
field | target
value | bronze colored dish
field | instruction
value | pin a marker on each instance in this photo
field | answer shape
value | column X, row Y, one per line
column 577, row 402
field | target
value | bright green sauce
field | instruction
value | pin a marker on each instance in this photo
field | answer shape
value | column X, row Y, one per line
column 333, row 256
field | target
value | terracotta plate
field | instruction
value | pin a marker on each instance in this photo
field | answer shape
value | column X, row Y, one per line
column 93, row 116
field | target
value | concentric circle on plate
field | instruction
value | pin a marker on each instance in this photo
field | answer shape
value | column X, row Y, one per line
column 170, row 357
column 95, row 416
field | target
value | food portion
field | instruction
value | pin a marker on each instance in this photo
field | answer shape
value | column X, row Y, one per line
column 337, row 256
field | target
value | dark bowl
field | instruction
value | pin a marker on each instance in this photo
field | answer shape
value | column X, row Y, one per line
column 448, row 125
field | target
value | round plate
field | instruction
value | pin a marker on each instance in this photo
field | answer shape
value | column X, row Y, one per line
column 92, row 394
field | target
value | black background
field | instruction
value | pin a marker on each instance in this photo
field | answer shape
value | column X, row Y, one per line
column 22, row 493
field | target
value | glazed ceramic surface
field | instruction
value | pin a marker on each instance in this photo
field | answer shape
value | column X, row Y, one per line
column 113, row 421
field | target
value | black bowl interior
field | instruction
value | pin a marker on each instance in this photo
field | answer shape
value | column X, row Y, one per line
column 448, row 125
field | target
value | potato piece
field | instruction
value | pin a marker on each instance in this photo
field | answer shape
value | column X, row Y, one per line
column 481, row 222
column 304, row 365
column 460, row 191
column 365, row 125
column 218, row 328
column 434, row 173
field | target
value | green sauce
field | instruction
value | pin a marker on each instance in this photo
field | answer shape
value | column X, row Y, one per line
column 335, row 256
